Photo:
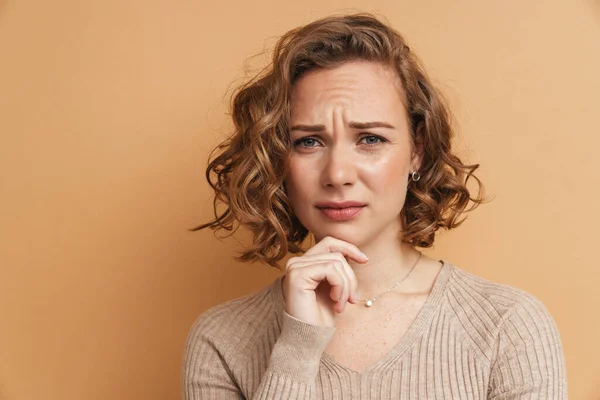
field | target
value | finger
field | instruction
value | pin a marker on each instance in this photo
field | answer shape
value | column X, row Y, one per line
column 330, row 244
column 351, row 276
column 343, row 297
column 307, row 259
column 309, row 277
column 346, row 269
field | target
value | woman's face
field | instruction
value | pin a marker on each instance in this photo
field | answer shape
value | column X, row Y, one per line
column 351, row 142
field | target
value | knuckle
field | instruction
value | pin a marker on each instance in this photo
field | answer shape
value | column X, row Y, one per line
column 336, row 264
column 342, row 258
column 293, row 273
column 290, row 263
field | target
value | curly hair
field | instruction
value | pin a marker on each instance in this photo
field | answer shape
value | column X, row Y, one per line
column 252, row 164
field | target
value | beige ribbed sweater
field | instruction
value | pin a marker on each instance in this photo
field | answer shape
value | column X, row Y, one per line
column 472, row 339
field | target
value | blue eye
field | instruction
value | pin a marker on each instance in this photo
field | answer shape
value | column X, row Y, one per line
column 311, row 142
column 378, row 139
column 304, row 141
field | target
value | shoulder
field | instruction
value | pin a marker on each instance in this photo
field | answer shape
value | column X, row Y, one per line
column 515, row 332
column 497, row 300
column 232, row 323
column 493, row 312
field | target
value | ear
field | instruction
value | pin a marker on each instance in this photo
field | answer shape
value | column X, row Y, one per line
column 417, row 155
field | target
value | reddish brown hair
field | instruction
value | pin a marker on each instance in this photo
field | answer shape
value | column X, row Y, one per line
column 250, row 167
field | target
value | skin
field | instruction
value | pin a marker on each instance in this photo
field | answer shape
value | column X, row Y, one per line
column 337, row 161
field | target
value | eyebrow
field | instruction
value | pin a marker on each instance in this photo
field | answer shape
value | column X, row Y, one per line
column 352, row 124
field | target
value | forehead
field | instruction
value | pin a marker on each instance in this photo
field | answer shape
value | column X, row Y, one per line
column 358, row 87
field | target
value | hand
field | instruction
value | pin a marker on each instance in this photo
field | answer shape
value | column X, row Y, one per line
column 321, row 281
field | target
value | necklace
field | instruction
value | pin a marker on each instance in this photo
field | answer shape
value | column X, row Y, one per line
column 369, row 302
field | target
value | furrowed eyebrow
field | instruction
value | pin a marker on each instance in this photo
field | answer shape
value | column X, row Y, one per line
column 352, row 124
column 368, row 125
column 308, row 128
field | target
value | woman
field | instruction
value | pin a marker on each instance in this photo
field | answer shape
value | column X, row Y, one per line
column 345, row 138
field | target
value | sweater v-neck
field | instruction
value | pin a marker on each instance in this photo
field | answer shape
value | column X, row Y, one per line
column 414, row 331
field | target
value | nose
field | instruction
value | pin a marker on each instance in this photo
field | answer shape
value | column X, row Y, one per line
column 339, row 166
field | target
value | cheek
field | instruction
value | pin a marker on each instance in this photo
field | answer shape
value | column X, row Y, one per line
column 388, row 174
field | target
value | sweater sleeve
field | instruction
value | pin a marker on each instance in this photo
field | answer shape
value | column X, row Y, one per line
column 529, row 361
column 291, row 372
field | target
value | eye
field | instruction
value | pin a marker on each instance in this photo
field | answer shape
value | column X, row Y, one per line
column 311, row 142
column 306, row 142
column 373, row 139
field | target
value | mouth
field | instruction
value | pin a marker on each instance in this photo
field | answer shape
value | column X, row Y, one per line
column 342, row 214
column 340, row 204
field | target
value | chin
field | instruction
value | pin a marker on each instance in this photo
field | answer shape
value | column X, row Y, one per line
column 342, row 233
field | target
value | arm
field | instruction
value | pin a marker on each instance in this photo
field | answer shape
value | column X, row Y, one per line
column 529, row 362
column 291, row 373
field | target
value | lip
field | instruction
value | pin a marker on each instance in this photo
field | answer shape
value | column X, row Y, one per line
column 342, row 214
column 340, row 204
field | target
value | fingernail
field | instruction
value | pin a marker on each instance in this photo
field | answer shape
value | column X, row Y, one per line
column 364, row 256
column 354, row 297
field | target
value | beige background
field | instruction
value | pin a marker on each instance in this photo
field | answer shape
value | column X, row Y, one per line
column 108, row 111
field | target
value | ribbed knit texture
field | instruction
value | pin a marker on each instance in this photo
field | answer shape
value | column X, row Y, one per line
column 472, row 339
